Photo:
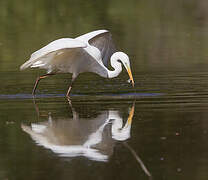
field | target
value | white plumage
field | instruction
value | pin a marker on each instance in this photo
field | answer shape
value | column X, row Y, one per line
column 87, row 53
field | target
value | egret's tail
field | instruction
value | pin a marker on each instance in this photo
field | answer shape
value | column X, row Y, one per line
column 33, row 63
column 25, row 65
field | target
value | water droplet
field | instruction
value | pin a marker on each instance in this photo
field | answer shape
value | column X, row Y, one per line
column 129, row 80
column 163, row 138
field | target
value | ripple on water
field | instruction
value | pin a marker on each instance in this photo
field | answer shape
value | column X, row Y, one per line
column 134, row 95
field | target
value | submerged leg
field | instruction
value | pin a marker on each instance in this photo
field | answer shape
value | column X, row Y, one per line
column 68, row 92
column 37, row 81
column 36, row 108
column 70, row 87
column 74, row 113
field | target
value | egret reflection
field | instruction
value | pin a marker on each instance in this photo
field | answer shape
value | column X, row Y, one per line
column 92, row 138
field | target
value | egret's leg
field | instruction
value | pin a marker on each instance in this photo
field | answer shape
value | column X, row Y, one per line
column 70, row 87
column 75, row 115
column 37, row 81
column 68, row 92
column 36, row 108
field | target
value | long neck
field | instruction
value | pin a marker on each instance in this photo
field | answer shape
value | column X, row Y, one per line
column 116, row 65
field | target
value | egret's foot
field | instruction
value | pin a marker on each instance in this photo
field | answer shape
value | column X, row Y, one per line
column 68, row 98
column 69, row 101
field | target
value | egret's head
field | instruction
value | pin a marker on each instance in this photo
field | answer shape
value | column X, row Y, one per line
column 125, row 61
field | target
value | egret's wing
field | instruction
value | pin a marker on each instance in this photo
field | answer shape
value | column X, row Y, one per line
column 105, row 44
column 86, row 37
column 101, row 39
column 47, row 51
column 68, row 60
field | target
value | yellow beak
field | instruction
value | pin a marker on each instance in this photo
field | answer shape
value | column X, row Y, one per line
column 131, row 114
column 130, row 75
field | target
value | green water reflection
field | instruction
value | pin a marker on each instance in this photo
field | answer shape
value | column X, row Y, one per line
column 163, row 142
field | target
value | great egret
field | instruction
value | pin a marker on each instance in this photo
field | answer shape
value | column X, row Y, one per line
column 87, row 53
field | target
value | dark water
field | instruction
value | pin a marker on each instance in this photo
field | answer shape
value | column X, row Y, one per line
column 109, row 130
